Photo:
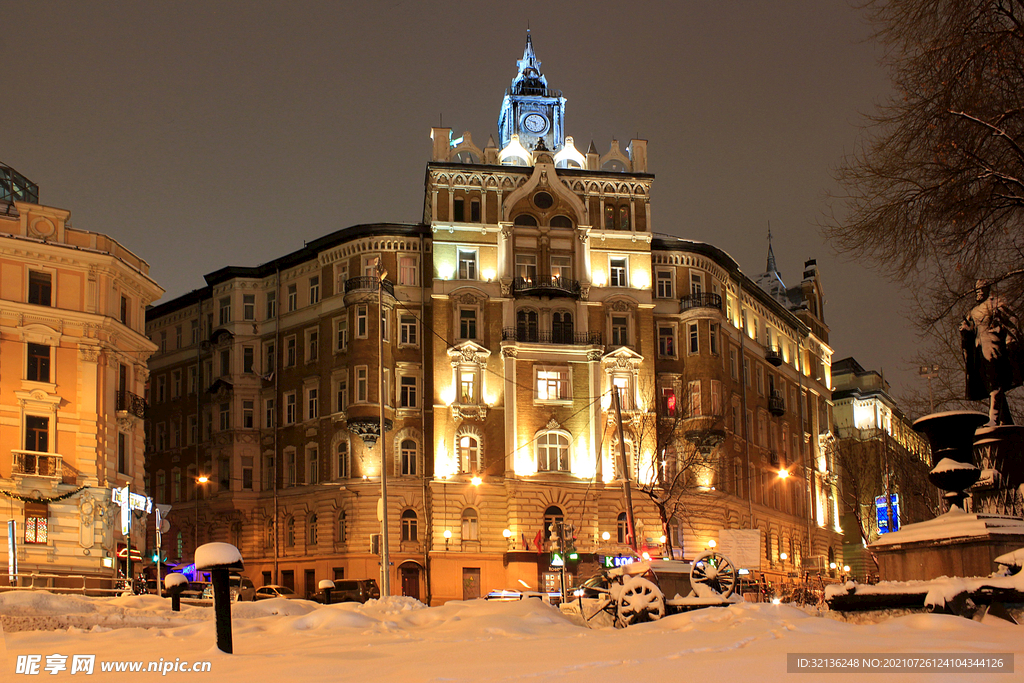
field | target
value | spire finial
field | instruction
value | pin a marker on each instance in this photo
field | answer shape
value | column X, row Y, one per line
column 770, row 268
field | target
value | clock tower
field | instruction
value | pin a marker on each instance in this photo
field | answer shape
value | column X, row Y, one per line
column 529, row 109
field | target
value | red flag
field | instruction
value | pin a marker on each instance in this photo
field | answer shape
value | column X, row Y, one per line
column 538, row 541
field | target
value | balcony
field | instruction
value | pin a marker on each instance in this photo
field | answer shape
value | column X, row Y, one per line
column 773, row 354
column 368, row 283
column 546, row 285
column 36, row 464
column 776, row 404
column 131, row 404
column 551, row 336
column 704, row 300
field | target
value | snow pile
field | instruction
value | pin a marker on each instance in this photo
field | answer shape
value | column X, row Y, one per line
column 1012, row 559
column 937, row 592
column 948, row 465
column 478, row 641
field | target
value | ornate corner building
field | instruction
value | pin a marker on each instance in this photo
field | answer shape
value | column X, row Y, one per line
column 73, row 358
column 534, row 289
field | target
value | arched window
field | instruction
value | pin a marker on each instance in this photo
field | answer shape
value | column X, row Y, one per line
column 553, row 452
column 341, row 453
column 470, row 460
column 526, row 326
column 236, row 534
column 289, row 533
column 561, row 222
column 409, row 454
column 553, row 516
column 561, row 327
column 617, row 458
column 525, row 219
column 621, row 528
column 312, row 530
column 410, row 526
column 623, row 217
column 470, row 525
column 268, row 534
column 342, row 527
column 609, row 217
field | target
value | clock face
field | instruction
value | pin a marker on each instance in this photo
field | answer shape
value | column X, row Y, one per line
column 535, row 123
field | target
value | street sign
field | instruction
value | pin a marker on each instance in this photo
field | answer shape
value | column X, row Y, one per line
column 557, row 560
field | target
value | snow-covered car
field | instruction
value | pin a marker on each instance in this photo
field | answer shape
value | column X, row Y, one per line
column 273, row 591
column 507, row 595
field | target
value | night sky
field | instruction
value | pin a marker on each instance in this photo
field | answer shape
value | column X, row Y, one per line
column 213, row 133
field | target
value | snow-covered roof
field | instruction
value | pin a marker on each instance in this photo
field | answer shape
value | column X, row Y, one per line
column 954, row 524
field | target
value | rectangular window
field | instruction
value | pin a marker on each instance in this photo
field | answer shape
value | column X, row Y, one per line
column 341, row 395
column 293, row 297
column 38, row 363
column 269, row 413
column 248, row 359
column 408, row 331
column 694, row 339
column 467, row 264
column 664, row 284
column 225, row 310
column 125, row 319
column 175, row 433
column 459, row 209
column 714, row 338
column 618, row 275
column 408, row 273
column 225, row 362
column 620, row 330
column 194, row 324
column 289, row 480
column 666, row 342
column 362, row 384
column 163, row 341
column 289, row 408
column 40, row 289
column 668, row 402
column 289, row 352
column 248, row 414
column 36, row 522
column 270, row 359
column 526, row 268
column 716, row 398
column 746, row 372
column 467, row 387
column 467, row 323
column 193, row 379
column 193, row 430
column 341, row 333
column 271, row 305
column 312, row 403
column 385, row 324
column 312, row 345
column 313, row 470
column 161, row 389
column 314, row 289
column 474, row 210
column 553, row 384
column 695, row 406
column 734, row 369
column 248, row 307
column 760, row 380
column 407, row 392
column 361, row 317
column 561, row 267
column 177, row 336
column 225, row 416
column 122, row 453
column 176, row 486
column 696, row 284
column 247, row 472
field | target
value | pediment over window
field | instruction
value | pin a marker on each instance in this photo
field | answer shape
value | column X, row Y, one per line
column 623, row 357
column 468, row 352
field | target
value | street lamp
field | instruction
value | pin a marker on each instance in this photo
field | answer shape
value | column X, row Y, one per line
column 447, row 537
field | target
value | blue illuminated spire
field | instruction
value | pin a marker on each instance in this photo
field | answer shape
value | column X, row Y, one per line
column 529, row 80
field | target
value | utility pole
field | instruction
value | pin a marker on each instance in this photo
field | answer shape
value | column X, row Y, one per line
column 385, row 570
column 626, row 492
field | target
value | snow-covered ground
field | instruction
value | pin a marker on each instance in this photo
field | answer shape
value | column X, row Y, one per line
column 398, row 639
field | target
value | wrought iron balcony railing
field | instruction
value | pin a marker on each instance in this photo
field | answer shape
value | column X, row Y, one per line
column 368, row 283
column 36, row 464
column 550, row 336
column 546, row 285
column 703, row 300
column 132, row 403
column 773, row 354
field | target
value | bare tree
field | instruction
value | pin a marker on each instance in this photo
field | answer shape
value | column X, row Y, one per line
column 934, row 195
column 682, row 468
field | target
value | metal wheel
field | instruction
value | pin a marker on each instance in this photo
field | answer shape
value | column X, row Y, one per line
column 640, row 600
column 713, row 575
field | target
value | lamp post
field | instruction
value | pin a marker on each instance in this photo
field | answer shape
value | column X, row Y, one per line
column 928, row 372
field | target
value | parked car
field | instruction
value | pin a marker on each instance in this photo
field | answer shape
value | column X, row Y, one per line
column 350, row 590
column 197, row 590
column 241, row 589
column 507, row 595
column 268, row 592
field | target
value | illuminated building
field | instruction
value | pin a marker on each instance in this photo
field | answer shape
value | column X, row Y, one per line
column 882, row 458
column 534, row 285
column 71, row 408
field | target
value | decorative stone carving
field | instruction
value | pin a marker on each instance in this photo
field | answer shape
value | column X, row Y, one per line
column 553, row 424
column 621, row 305
column 468, row 412
column 584, row 292
column 510, row 352
column 594, row 355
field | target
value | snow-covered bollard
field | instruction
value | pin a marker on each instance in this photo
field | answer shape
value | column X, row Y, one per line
column 220, row 559
column 174, row 584
column 326, row 585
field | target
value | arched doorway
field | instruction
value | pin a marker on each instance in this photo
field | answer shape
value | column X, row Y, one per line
column 410, row 573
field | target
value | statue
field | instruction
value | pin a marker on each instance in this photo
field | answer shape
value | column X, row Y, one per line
column 990, row 339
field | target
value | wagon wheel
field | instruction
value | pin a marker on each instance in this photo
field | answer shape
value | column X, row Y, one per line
column 640, row 600
column 713, row 574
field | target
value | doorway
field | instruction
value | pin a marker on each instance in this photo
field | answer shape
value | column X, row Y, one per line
column 411, row 581
column 470, row 583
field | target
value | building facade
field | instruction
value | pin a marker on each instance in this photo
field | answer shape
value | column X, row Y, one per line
column 74, row 364
column 884, row 464
column 533, row 291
